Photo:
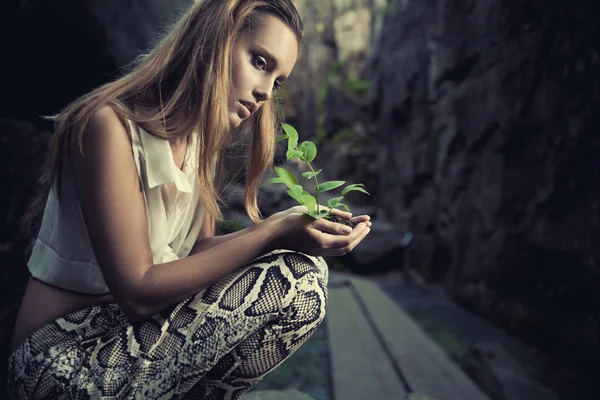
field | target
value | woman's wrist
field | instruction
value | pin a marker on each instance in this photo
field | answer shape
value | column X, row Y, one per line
column 275, row 230
column 203, row 244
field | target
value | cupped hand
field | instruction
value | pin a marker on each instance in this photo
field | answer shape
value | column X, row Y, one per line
column 343, row 214
column 318, row 237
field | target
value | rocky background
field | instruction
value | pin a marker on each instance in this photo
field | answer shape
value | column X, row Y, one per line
column 487, row 124
column 473, row 124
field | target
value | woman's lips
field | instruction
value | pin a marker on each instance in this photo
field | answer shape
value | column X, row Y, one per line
column 245, row 112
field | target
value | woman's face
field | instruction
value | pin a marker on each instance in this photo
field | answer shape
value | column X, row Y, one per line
column 263, row 58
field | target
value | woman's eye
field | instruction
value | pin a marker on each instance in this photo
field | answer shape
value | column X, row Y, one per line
column 259, row 62
column 277, row 85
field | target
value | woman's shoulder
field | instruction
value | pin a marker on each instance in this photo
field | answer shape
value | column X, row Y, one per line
column 105, row 131
column 106, row 120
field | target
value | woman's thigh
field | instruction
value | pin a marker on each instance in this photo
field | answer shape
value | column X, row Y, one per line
column 98, row 352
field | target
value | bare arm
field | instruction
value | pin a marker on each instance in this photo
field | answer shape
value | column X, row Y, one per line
column 207, row 240
column 112, row 204
column 113, row 208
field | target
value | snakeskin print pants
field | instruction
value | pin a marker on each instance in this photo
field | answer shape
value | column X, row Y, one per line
column 216, row 344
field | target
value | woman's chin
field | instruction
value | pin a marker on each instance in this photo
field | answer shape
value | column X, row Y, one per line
column 234, row 121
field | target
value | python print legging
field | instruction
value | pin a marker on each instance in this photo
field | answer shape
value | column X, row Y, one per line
column 216, row 344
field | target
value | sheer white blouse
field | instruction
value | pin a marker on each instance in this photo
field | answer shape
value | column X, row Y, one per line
column 62, row 255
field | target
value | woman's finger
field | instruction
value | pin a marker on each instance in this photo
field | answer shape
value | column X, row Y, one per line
column 338, row 212
column 334, row 228
column 360, row 238
column 340, row 251
column 360, row 218
column 333, row 242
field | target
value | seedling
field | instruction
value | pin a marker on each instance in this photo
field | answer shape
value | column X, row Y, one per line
column 307, row 151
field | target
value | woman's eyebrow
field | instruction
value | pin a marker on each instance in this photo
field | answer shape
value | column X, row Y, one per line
column 270, row 57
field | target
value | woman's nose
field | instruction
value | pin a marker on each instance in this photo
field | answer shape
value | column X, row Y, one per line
column 262, row 95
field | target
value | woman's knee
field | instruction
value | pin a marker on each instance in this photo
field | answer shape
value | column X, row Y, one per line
column 271, row 283
column 302, row 286
column 309, row 302
column 300, row 265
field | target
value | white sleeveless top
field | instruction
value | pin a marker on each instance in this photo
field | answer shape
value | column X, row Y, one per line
column 62, row 255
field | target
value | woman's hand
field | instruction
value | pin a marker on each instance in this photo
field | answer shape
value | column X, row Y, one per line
column 302, row 209
column 317, row 237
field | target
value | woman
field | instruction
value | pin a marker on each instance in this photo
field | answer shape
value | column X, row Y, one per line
column 130, row 294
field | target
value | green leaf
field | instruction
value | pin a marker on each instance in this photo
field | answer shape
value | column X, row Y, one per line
column 343, row 205
column 357, row 86
column 293, row 153
column 292, row 144
column 309, row 201
column 333, row 203
column 292, row 136
column 354, row 186
column 280, row 138
column 325, row 186
column 323, row 92
column 295, row 192
column 317, row 215
column 290, row 131
column 359, row 189
column 287, row 178
column 313, row 214
column 274, row 180
column 311, row 174
column 232, row 225
column 309, row 150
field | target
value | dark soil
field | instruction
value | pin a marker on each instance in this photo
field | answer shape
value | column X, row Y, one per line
column 335, row 218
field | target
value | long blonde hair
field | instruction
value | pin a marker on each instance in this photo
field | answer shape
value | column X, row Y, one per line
column 186, row 79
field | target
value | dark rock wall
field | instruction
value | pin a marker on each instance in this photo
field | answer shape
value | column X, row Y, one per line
column 58, row 50
column 488, row 127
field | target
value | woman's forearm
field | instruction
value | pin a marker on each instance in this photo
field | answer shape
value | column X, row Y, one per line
column 212, row 241
column 206, row 242
column 166, row 284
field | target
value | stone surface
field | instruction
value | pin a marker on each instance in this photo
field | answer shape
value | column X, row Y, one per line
column 492, row 367
column 277, row 395
column 22, row 150
column 317, row 54
column 66, row 48
column 488, row 142
column 458, row 330
column 335, row 30
column 361, row 367
column 352, row 31
column 418, row 396
column 380, row 251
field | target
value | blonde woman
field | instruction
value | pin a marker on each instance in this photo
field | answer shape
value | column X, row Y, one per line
column 131, row 295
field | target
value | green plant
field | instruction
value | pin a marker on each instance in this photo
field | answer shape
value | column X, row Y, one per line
column 307, row 151
column 232, row 225
column 357, row 86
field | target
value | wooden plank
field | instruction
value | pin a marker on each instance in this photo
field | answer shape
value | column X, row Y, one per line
column 290, row 394
column 424, row 365
column 337, row 279
column 360, row 367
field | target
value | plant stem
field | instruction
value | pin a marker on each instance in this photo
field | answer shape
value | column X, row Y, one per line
column 317, row 181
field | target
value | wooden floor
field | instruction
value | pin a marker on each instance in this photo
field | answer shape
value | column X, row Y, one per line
column 378, row 352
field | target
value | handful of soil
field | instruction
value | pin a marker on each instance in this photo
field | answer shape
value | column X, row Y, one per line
column 335, row 218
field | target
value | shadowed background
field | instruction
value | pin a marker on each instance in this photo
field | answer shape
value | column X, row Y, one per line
column 473, row 124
